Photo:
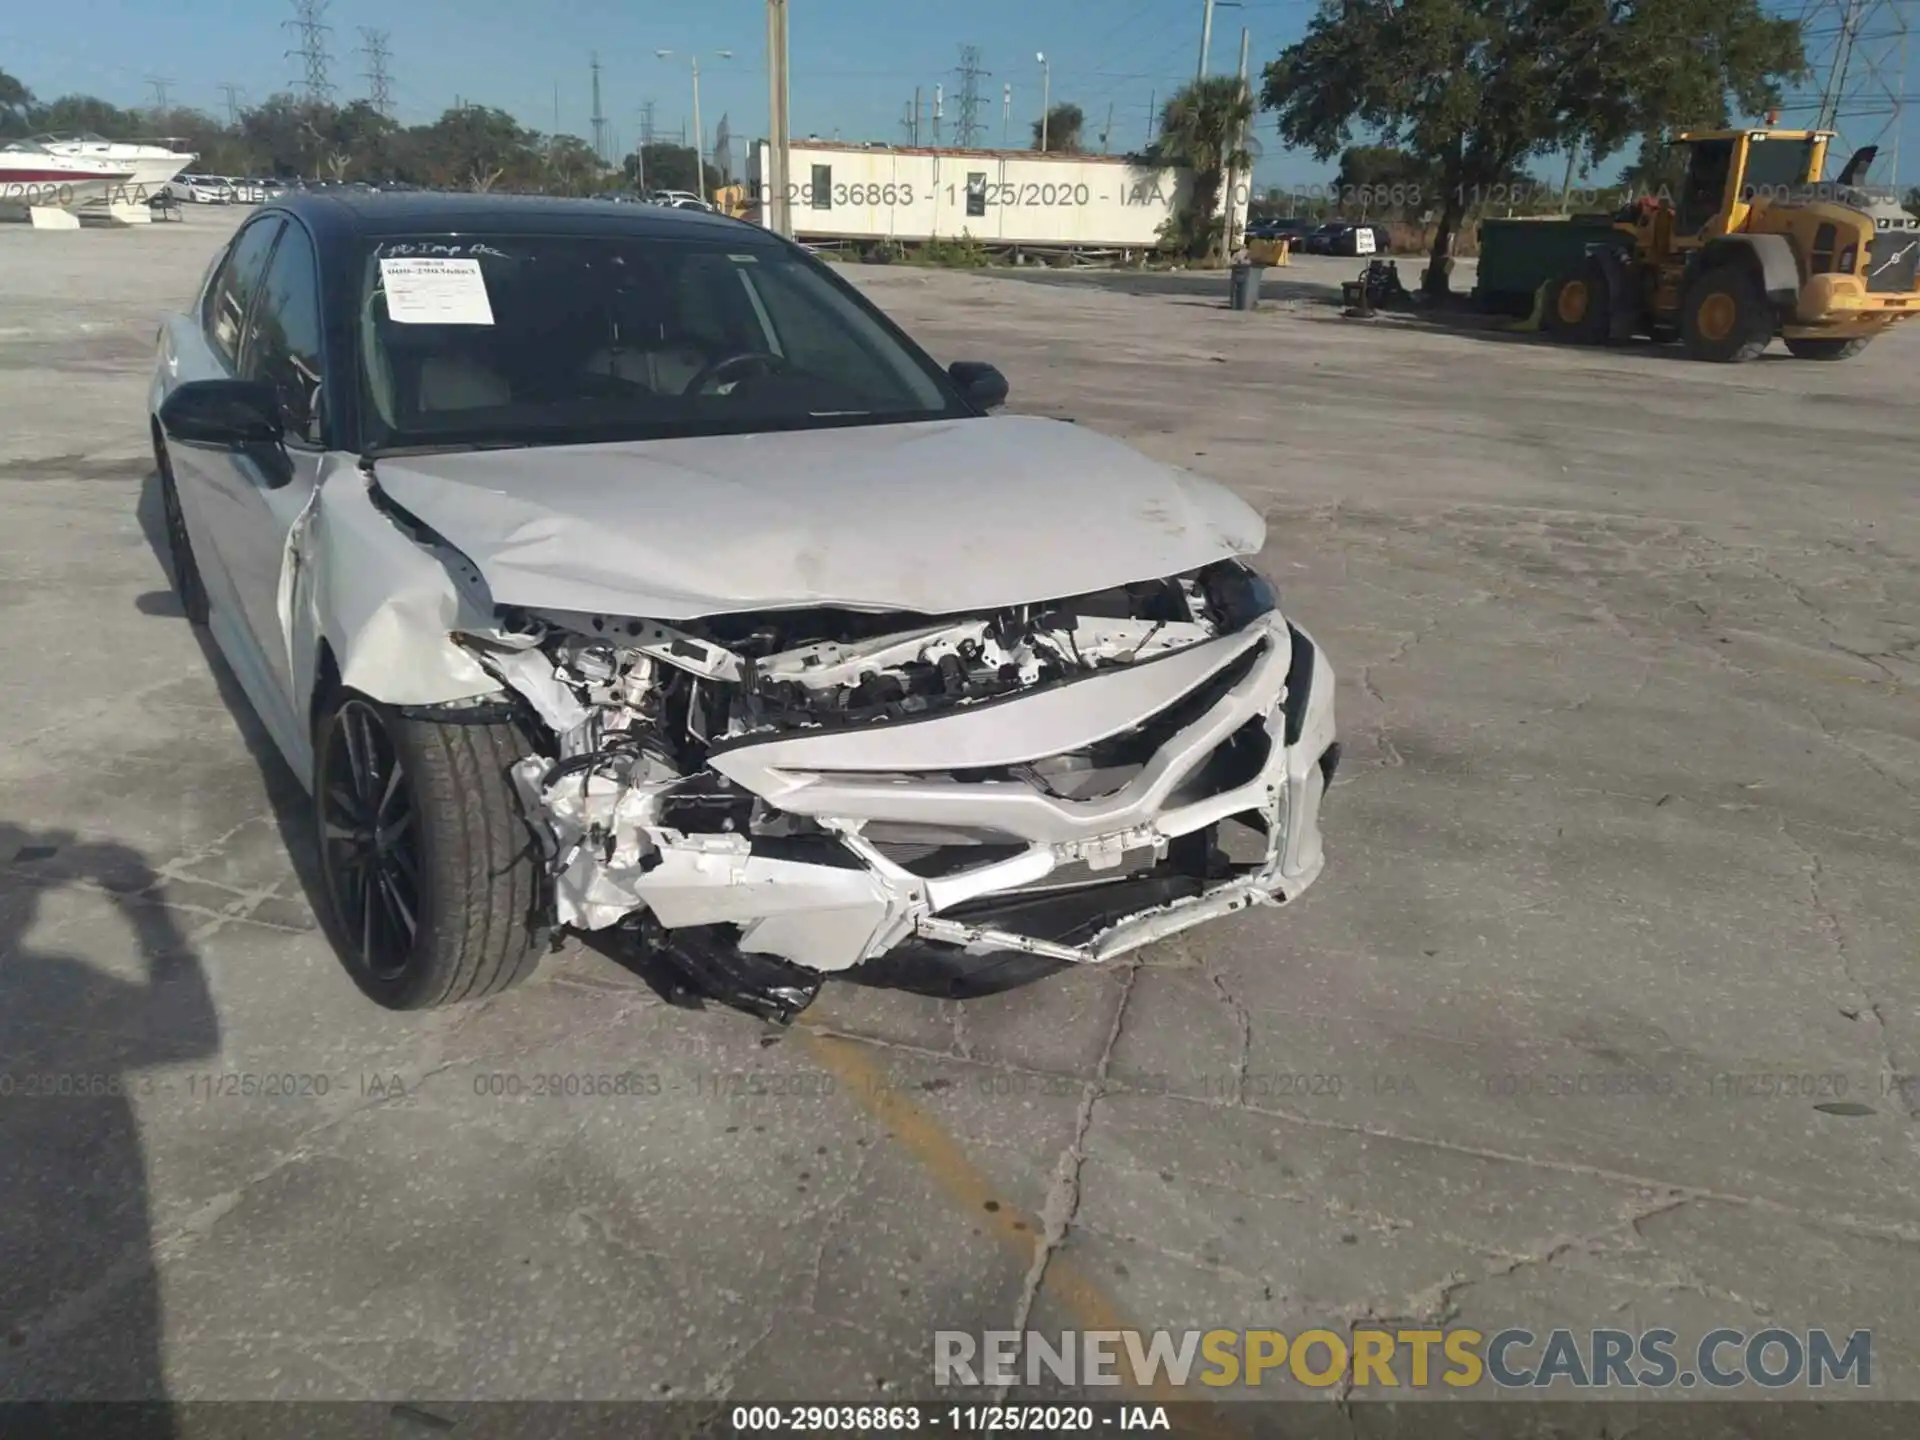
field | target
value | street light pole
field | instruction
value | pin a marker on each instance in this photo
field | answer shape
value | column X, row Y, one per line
column 1046, row 97
column 699, row 138
column 1206, row 32
column 699, row 135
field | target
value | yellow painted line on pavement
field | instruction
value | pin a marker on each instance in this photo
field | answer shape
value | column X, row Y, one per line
column 945, row 1160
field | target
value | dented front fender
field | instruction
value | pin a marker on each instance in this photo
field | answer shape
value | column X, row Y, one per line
column 382, row 601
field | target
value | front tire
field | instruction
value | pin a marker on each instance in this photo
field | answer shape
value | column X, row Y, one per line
column 433, row 888
column 1827, row 349
column 1725, row 318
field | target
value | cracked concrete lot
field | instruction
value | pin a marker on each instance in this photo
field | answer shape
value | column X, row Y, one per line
column 1601, row 1015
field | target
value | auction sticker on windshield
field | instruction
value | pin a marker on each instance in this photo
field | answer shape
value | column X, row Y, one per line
column 423, row 291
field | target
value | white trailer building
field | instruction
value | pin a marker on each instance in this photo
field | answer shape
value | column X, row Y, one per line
column 1002, row 198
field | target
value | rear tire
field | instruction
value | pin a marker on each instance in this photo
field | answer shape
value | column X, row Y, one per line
column 432, row 884
column 187, row 584
column 1827, row 349
column 1724, row 317
column 1579, row 306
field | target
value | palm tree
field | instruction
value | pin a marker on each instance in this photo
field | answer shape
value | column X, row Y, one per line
column 1204, row 128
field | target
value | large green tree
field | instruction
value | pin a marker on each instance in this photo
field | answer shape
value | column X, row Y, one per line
column 1204, row 129
column 1476, row 88
column 1065, row 127
column 666, row 166
column 15, row 101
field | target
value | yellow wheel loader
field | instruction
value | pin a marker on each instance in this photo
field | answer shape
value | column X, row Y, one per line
column 1755, row 245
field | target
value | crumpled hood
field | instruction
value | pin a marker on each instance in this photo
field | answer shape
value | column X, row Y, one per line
column 937, row 517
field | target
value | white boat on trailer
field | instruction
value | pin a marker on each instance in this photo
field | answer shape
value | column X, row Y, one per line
column 153, row 162
column 48, row 189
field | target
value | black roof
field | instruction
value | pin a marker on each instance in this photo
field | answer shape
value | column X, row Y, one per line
column 343, row 214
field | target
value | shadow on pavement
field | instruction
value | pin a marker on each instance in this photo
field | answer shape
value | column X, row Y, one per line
column 80, row 1313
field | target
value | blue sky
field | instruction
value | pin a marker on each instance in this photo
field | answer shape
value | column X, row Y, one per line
column 855, row 62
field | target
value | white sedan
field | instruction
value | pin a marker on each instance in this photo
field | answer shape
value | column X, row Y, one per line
column 623, row 570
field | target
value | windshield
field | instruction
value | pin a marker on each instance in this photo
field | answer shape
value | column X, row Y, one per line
column 1777, row 167
column 572, row 339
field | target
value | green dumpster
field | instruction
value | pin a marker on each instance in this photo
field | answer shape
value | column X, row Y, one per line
column 1518, row 256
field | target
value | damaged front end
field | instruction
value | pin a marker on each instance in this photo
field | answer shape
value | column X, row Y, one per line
column 943, row 803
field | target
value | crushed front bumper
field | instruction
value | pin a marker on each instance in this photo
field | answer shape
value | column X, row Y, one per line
column 1241, row 729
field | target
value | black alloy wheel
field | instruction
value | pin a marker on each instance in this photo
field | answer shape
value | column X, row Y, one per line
column 370, row 841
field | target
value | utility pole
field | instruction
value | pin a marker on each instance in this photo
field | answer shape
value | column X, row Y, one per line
column 937, row 97
column 699, row 137
column 599, row 121
column 233, row 94
column 1153, row 114
column 640, row 150
column 1106, row 132
column 1235, row 142
column 779, row 152
column 914, row 129
column 1006, row 114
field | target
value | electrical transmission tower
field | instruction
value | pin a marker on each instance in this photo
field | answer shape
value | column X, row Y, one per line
column 233, row 94
column 599, row 120
column 310, row 25
column 967, row 127
column 160, row 86
column 373, row 45
column 1857, row 59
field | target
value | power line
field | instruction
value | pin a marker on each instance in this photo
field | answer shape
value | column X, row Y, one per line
column 373, row 45
column 309, row 24
column 966, row 131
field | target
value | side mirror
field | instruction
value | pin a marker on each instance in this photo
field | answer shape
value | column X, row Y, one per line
column 980, row 382
column 225, row 414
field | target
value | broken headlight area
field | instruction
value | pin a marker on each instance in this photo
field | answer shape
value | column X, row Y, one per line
column 832, row 791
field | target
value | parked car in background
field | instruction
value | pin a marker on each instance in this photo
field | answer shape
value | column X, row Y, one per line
column 1320, row 239
column 200, row 190
column 1293, row 228
column 679, row 200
